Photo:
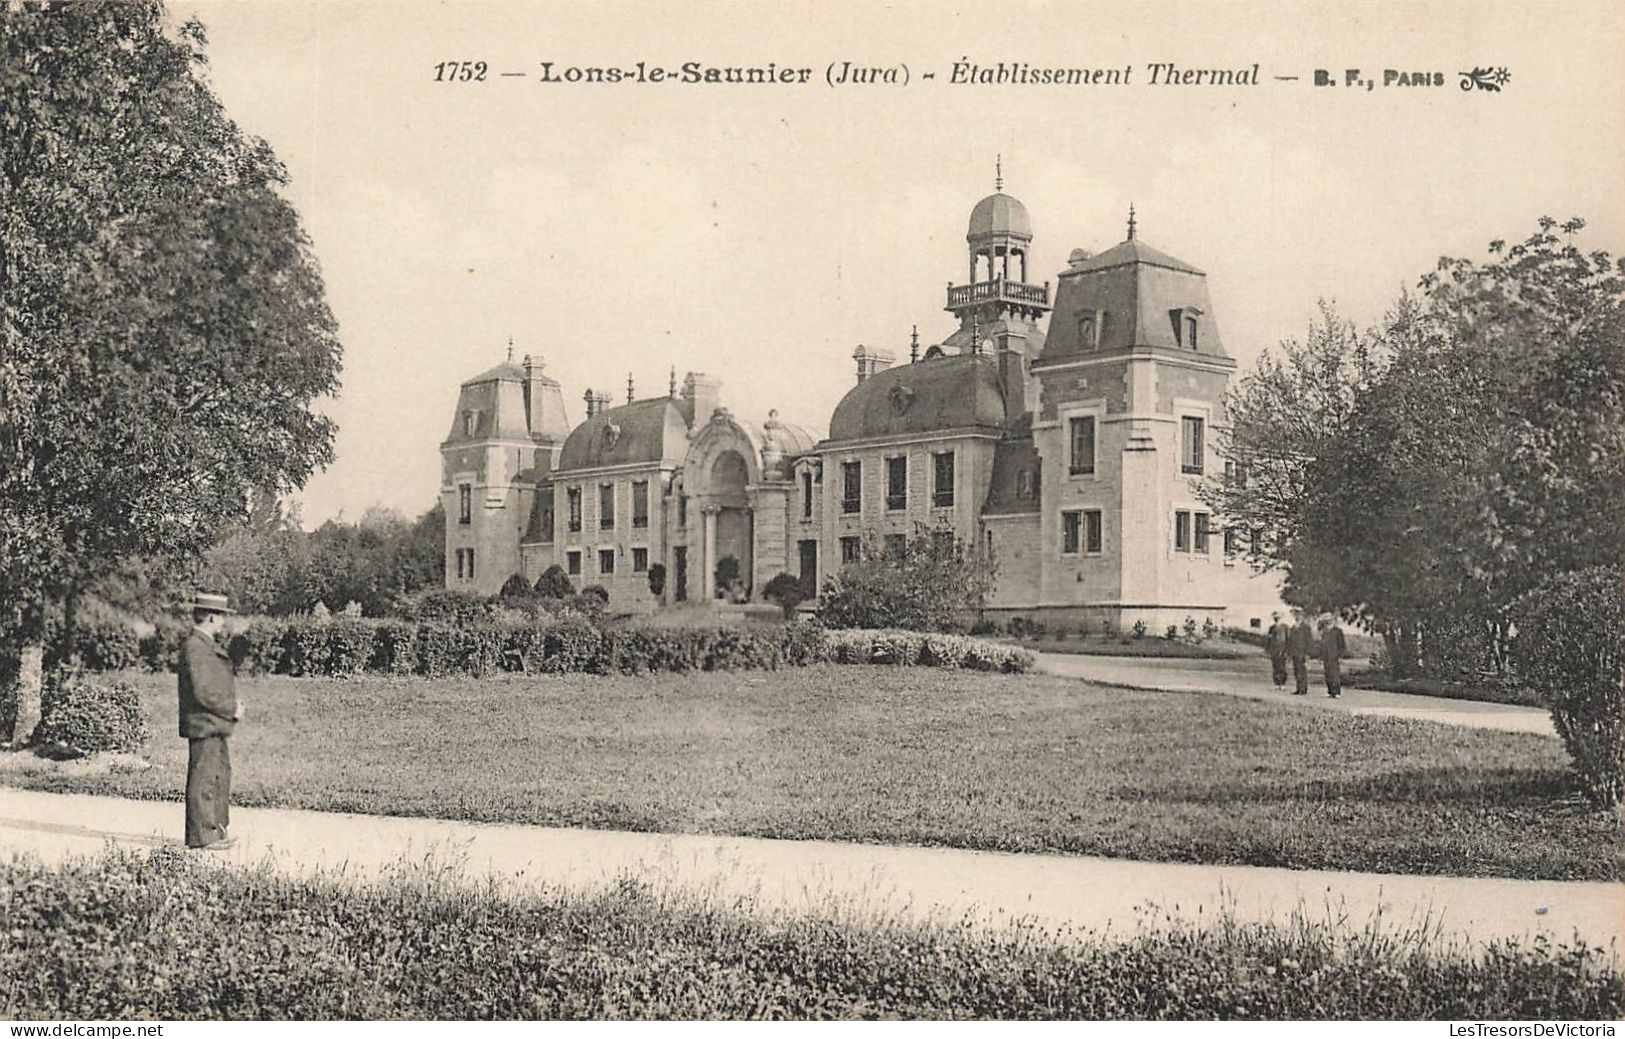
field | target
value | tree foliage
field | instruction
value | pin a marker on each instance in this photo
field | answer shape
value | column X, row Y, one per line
column 930, row 585
column 165, row 327
column 1467, row 449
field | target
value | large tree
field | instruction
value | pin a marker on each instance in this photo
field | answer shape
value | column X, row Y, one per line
column 165, row 327
column 1483, row 455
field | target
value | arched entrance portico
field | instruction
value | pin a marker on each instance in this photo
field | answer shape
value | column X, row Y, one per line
column 729, row 527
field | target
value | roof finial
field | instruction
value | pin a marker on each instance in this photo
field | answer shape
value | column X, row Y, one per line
column 671, row 386
column 914, row 345
column 1131, row 221
column 976, row 332
column 510, row 349
column 998, row 173
column 629, row 387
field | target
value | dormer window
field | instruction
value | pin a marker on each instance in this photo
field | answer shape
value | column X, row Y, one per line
column 1183, row 320
column 1089, row 322
column 471, row 422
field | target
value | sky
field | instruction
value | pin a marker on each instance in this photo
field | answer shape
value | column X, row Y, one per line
column 760, row 233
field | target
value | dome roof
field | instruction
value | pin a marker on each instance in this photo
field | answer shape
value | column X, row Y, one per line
column 999, row 214
column 948, row 392
column 647, row 431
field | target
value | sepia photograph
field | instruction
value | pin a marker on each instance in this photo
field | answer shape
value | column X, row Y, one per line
column 734, row 511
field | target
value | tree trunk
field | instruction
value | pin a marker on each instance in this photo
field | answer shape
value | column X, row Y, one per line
column 20, row 683
column 67, row 653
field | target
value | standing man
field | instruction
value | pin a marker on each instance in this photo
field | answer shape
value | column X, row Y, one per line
column 1332, row 645
column 1297, row 647
column 209, row 711
column 1276, row 645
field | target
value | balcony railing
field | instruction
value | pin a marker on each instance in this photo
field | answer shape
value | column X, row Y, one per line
column 999, row 290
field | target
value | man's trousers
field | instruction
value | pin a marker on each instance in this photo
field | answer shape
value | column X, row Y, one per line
column 208, row 791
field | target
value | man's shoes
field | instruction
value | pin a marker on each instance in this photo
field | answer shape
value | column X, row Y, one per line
column 223, row 844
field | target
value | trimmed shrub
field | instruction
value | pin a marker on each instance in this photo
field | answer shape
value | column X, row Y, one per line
column 554, row 583
column 395, row 647
column 101, row 643
column 160, row 650
column 444, row 606
column 86, row 715
column 515, row 587
column 439, row 650
column 260, row 648
column 1569, row 648
column 349, row 646
column 657, row 579
column 784, row 591
column 574, row 645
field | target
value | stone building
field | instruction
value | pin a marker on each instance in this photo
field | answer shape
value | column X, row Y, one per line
column 1067, row 436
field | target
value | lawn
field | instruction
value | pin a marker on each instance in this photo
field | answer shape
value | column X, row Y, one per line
column 905, row 755
column 1096, row 646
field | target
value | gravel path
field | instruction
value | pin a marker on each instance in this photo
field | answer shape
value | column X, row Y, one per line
column 1058, row 891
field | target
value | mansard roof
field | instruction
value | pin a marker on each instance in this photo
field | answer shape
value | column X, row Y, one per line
column 646, row 431
column 1130, row 296
column 952, row 391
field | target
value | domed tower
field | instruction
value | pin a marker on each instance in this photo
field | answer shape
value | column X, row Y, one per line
column 998, row 310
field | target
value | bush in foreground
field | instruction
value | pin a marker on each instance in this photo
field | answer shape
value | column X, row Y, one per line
column 87, row 715
column 422, row 945
column 1569, row 648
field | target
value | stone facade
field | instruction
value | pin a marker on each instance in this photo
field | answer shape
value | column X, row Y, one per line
column 1067, row 438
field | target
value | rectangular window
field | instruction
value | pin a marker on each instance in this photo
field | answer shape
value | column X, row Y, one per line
column 465, row 503
column 1229, row 542
column 1190, row 332
column 471, row 564
column 640, row 560
column 606, row 560
column 1201, row 532
column 897, row 482
column 682, row 511
column 572, row 563
column 896, row 546
column 806, row 494
column 1255, row 541
column 942, row 484
column 547, row 518
column 1083, row 445
column 849, row 550
column 1092, row 533
column 1182, row 531
column 606, row 506
column 1192, row 448
column 1071, row 527
column 851, row 486
column 640, row 503
column 574, row 496
column 459, row 564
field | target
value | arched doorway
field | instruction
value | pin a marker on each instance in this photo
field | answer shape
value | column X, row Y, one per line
column 731, row 524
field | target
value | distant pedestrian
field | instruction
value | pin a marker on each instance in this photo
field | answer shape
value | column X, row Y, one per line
column 1298, row 640
column 1276, row 645
column 1332, row 645
column 209, row 711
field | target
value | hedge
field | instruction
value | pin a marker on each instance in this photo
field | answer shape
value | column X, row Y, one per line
column 86, row 715
column 102, row 940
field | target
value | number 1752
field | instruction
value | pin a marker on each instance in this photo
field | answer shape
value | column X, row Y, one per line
column 459, row 71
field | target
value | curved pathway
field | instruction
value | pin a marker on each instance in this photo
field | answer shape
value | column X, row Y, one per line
column 1250, row 678
column 866, row 880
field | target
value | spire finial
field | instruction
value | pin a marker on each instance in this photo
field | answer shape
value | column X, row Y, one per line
column 914, row 345
column 1131, row 221
column 671, row 385
column 998, row 173
column 510, row 349
column 629, row 387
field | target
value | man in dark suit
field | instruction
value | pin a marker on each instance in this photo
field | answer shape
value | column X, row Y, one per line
column 209, row 711
column 1297, row 647
column 1279, row 629
column 1332, row 646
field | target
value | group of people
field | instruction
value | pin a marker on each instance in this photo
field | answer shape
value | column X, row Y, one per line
column 1294, row 640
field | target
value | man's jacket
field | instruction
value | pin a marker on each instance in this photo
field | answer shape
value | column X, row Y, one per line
column 1298, row 640
column 208, row 692
column 1279, row 633
column 1332, row 645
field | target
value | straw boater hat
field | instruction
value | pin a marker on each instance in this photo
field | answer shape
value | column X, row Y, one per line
column 211, row 602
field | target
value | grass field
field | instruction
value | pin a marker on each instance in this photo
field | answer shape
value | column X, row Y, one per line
column 102, row 940
column 911, row 756
column 1096, row 646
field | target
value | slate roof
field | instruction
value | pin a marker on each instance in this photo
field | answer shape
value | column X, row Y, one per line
column 645, row 431
column 948, row 392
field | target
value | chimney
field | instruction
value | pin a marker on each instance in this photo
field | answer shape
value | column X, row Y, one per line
column 1013, row 377
column 702, row 392
column 590, row 399
column 871, row 362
